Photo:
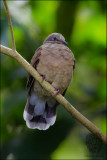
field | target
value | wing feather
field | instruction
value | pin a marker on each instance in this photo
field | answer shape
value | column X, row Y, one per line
column 34, row 63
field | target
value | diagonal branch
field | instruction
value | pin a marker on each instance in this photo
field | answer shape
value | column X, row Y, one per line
column 10, row 25
column 76, row 114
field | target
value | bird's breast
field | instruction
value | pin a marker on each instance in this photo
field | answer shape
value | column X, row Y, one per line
column 56, row 64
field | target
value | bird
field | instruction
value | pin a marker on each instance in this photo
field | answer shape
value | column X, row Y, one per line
column 55, row 62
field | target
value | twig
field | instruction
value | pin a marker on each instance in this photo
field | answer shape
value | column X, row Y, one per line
column 77, row 115
column 10, row 25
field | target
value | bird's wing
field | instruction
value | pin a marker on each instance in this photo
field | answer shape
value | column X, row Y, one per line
column 34, row 63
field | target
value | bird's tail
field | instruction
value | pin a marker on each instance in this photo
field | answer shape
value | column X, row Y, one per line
column 40, row 112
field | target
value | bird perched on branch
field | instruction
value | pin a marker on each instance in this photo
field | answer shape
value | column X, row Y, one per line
column 55, row 63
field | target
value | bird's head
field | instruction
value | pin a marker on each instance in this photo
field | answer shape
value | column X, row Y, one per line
column 56, row 38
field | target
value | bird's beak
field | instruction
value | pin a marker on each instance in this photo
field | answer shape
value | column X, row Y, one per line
column 64, row 42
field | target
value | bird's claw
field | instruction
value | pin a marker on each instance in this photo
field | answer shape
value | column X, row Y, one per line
column 43, row 78
column 57, row 91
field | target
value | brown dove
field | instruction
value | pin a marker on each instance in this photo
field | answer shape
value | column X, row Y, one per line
column 55, row 63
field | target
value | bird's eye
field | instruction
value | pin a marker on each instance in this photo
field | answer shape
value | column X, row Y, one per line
column 54, row 39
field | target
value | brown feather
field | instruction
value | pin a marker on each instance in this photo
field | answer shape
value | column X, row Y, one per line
column 56, row 62
column 34, row 63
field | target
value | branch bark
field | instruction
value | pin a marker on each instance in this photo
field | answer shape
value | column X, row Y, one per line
column 76, row 114
column 10, row 25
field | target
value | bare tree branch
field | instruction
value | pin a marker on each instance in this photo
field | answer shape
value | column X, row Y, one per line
column 10, row 25
column 77, row 115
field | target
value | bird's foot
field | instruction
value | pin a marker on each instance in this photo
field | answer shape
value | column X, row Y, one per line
column 43, row 77
column 57, row 91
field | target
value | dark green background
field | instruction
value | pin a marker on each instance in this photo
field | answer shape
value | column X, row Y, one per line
column 83, row 24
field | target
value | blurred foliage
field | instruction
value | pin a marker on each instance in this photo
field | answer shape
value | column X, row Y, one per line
column 83, row 23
